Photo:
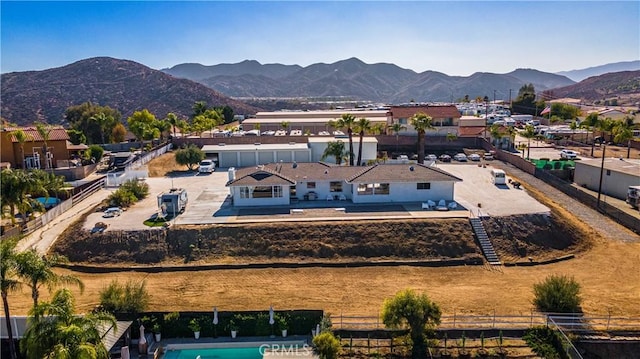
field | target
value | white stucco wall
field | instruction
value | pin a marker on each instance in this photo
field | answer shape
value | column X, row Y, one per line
column 408, row 192
column 259, row 202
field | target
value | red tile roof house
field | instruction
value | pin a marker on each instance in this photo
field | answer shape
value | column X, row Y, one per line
column 280, row 183
column 445, row 118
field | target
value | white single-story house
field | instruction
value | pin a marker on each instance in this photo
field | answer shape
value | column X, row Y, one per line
column 617, row 175
column 282, row 183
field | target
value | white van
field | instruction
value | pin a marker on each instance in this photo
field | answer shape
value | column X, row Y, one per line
column 498, row 176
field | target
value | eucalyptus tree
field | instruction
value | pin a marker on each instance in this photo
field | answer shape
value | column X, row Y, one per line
column 8, row 283
column 363, row 125
column 37, row 270
column 421, row 122
column 55, row 330
column 346, row 121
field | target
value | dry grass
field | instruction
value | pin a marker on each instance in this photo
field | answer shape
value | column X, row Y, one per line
column 161, row 166
column 609, row 273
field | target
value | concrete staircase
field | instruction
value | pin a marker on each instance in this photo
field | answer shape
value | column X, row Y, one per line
column 485, row 243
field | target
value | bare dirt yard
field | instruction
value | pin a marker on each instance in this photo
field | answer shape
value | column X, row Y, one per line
column 607, row 269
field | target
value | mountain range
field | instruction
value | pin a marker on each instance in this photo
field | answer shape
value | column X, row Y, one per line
column 121, row 84
column 357, row 80
column 579, row 75
column 129, row 86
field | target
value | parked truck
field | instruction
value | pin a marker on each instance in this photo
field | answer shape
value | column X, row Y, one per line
column 173, row 202
column 633, row 196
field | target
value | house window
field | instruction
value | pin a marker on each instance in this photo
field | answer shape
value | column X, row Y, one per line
column 335, row 186
column 365, row 189
column 402, row 121
column 262, row 192
column 277, row 191
column 608, row 172
column 373, row 188
column 244, row 192
column 424, row 185
column 311, row 185
column 381, row 188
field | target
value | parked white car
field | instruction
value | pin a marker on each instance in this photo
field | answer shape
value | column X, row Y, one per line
column 112, row 212
column 207, row 166
column 474, row 157
column 568, row 154
column 432, row 157
column 460, row 157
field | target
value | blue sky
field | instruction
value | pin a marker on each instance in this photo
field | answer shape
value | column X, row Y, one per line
column 457, row 38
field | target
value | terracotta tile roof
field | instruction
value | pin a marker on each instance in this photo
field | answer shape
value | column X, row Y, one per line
column 471, row 131
column 409, row 172
column 449, row 111
column 56, row 133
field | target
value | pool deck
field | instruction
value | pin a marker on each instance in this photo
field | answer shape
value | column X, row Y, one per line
column 278, row 342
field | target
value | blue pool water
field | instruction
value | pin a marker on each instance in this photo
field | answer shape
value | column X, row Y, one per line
column 217, row 353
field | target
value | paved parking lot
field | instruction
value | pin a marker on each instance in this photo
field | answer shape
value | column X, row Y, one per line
column 209, row 202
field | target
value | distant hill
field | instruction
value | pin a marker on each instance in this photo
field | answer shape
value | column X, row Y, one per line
column 579, row 75
column 125, row 85
column 623, row 86
column 357, row 80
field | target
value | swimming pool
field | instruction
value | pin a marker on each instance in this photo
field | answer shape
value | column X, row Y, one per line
column 237, row 350
column 217, row 353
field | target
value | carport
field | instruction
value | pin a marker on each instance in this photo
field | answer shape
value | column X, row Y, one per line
column 246, row 155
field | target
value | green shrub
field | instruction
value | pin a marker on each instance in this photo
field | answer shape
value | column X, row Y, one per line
column 190, row 156
column 545, row 342
column 326, row 345
column 122, row 198
column 557, row 294
column 139, row 189
column 131, row 297
column 95, row 152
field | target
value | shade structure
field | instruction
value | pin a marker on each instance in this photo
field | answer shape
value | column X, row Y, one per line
column 271, row 319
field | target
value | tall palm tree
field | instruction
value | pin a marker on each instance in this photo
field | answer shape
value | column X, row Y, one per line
column 22, row 137
column 573, row 126
column 396, row 127
column 334, row 149
column 172, row 118
column 528, row 133
column 56, row 331
column 606, row 125
column 104, row 122
column 363, row 125
column 8, row 283
column 199, row 108
column 37, row 271
column 421, row 122
column 346, row 121
column 44, row 130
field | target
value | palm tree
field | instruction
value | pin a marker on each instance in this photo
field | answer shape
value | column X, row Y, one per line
column 363, row 125
column 528, row 133
column 44, row 130
column 396, row 128
column 421, row 122
column 377, row 129
column 335, row 149
column 37, row 270
column 8, row 283
column 451, row 137
column 56, row 331
column 346, row 121
column 199, row 108
column 573, row 126
column 285, row 125
column 104, row 122
column 606, row 126
column 172, row 119
column 622, row 133
column 22, row 137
